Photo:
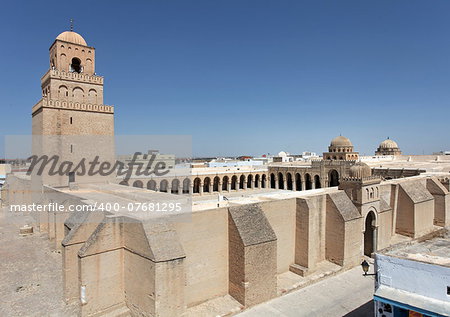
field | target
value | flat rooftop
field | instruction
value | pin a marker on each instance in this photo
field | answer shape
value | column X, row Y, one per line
column 434, row 251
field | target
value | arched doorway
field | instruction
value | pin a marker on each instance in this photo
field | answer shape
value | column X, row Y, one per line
column 298, row 182
column 233, row 182
column 241, row 182
column 163, row 186
column 151, row 185
column 225, row 182
column 280, row 181
column 257, row 181
column 186, row 184
column 250, row 181
column 289, row 181
column 216, row 184
column 369, row 234
column 138, row 184
column 175, row 186
column 333, row 177
column 125, row 183
column 196, row 185
column 264, row 181
column 206, row 183
column 317, row 183
column 272, row 180
column 308, row 182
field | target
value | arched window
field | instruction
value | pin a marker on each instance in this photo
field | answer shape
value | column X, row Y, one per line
column 92, row 96
column 76, row 67
column 63, row 92
column 138, row 184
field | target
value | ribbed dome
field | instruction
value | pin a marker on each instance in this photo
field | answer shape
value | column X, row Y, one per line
column 388, row 144
column 360, row 170
column 71, row 37
column 341, row 141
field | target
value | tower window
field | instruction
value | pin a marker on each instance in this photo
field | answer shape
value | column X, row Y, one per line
column 76, row 65
column 71, row 121
column 71, row 148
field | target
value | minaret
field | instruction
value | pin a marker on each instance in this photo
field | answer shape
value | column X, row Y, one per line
column 71, row 120
column 364, row 190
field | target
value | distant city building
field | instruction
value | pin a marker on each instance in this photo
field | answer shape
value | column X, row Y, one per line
column 442, row 153
column 388, row 147
column 414, row 279
column 168, row 159
column 235, row 163
column 283, row 157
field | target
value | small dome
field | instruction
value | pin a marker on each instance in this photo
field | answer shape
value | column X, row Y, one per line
column 341, row 141
column 282, row 154
column 71, row 37
column 388, row 144
column 360, row 170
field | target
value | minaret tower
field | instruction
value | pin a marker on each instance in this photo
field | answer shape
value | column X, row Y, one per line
column 71, row 120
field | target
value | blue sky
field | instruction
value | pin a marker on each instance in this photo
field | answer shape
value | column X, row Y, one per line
column 248, row 77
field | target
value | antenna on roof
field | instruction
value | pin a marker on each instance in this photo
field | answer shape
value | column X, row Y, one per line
column 71, row 25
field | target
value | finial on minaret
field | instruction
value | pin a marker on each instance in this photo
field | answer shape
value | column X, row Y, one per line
column 71, row 25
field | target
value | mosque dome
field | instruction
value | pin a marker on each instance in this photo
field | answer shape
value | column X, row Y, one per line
column 341, row 141
column 282, row 154
column 360, row 170
column 388, row 144
column 71, row 37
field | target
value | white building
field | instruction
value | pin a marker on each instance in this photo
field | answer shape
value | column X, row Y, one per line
column 414, row 279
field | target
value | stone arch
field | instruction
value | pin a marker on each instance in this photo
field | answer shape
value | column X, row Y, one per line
column 272, row 180
column 151, row 184
column 75, row 65
column 138, row 184
column 89, row 65
column 186, row 184
column 197, row 185
column 124, row 183
column 241, row 181
column 257, row 180
column 233, row 182
column 225, row 181
column 63, row 92
column 250, row 181
column 264, row 181
column 92, row 96
column 216, row 184
column 289, row 182
column 206, row 183
column 333, row 177
column 317, row 183
column 78, row 94
column 63, row 59
column 370, row 243
column 280, row 180
column 175, row 186
column 308, row 181
column 163, row 185
column 298, row 181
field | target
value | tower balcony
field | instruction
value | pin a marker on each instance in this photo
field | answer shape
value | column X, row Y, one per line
column 69, row 105
column 73, row 76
